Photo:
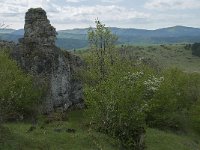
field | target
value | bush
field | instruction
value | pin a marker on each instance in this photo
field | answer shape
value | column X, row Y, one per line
column 118, row 104
column 194, row 93
column 18, row 95
column 196, row 49
column 194, row 117
column 170, row 105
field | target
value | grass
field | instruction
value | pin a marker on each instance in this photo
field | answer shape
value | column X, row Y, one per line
column 14, row 136
column 168, row 56
column 161, row 140
column 49, row 139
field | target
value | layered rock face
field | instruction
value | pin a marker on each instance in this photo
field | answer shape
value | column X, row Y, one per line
column 37, row 54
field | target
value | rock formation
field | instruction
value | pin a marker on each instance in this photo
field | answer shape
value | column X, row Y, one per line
column 38, row 28
column 37, row 54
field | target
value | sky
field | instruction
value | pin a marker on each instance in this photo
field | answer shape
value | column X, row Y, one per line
column 69, row 14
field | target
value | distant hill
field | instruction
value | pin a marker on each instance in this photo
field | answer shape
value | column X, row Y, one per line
column 3, row 31
column 77, row 38
column 19, row 32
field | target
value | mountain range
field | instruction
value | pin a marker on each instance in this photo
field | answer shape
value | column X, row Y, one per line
column 77, row 38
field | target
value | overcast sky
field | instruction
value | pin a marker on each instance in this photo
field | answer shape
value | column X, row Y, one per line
column 67, row 14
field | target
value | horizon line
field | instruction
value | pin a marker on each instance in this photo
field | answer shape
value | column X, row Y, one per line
column 114, row 27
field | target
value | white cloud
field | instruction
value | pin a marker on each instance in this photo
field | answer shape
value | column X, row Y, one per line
column 65, row 14
column 74, row 1
column 89, row 13
column 12, row 6
column 111, row 1
column 101, row 1
column 172, row 4
column 35, row 3
column 69, row 16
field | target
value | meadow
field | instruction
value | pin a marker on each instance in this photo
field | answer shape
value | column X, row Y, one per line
column 15, row 136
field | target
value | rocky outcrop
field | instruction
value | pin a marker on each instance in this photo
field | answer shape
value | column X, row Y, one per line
column 38, row 29
column 37, row 54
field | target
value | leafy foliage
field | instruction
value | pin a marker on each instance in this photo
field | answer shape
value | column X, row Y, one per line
column 173, row 100
column 134, row 95
column 18, row 95
column 134, row 92
column 119, row 103
column 196, row 49
column 102, row 42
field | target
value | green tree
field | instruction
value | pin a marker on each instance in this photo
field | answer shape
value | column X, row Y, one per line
column 102, row 43
column 118, row 105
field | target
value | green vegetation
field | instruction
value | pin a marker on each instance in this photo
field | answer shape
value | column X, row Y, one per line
column 194, row 117
column 49, row 137
column 135, row 91
column 130, row 97
column 166, row 56
column 18, row 95
column 102, row 43
column 112, row 112
column 196, row 49
column 116, row 108
column 162, row 140
column 14, row 136
column 137, row 97
column 173, row 100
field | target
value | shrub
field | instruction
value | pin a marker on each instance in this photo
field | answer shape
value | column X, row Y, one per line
column 118, row 104
column 173, row 100
column 194, row 117
column 194, row 94
column 18, row 95
column 196, row 49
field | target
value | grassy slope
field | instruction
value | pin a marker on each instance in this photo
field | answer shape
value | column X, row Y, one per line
column 83, row 139
column 160, row 140
column 169, row 56
column 48, row 139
